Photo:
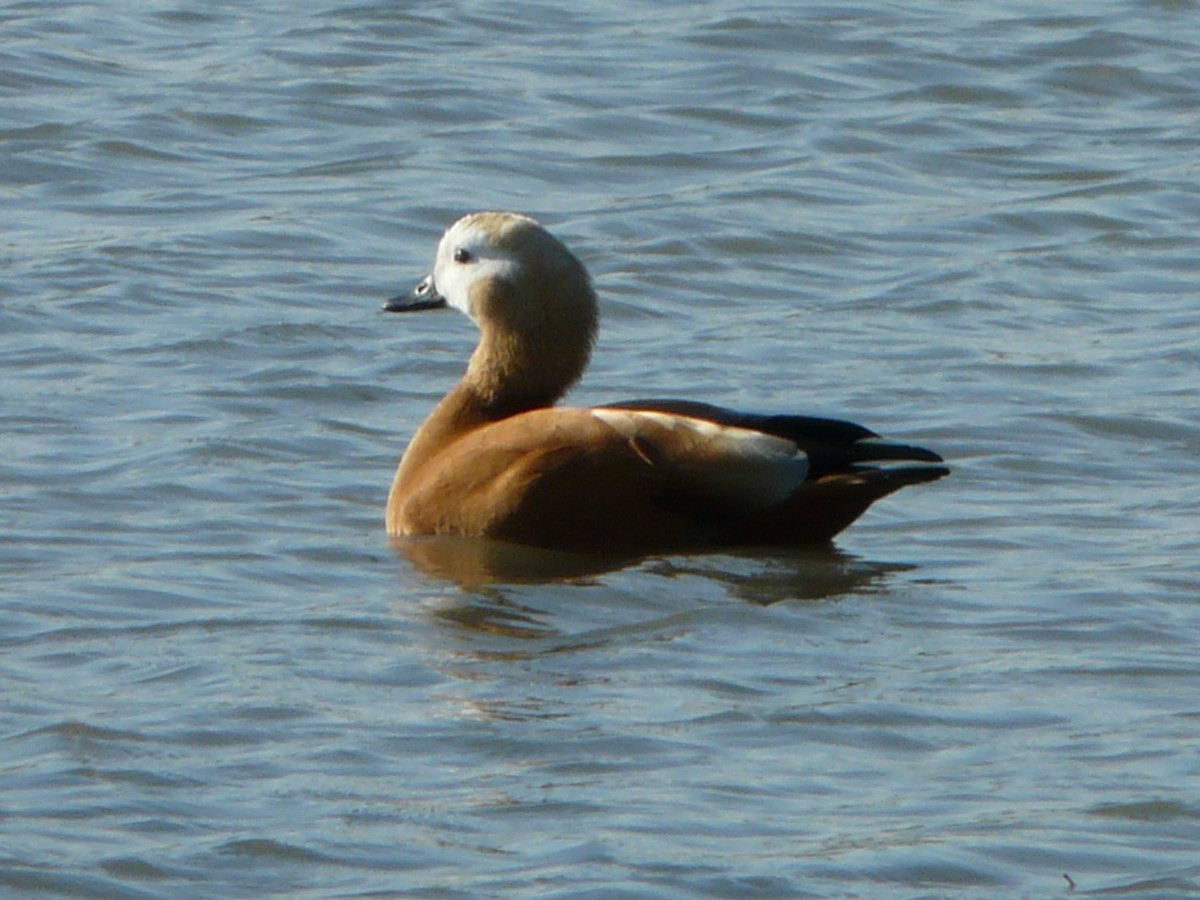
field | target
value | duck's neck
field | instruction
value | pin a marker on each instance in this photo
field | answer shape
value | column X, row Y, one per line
column 509, row 373
column 502, row 380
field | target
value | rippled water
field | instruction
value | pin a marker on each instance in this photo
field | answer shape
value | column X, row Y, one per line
column 972, row 226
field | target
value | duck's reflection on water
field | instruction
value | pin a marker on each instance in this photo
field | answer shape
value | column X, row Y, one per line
column 475, row 562
column 762, row 577
column 771, row 575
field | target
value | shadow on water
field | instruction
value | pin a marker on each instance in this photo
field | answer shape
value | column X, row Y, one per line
column 763, row 576
column 496, row 578
column 476, row 562
column 771, row 576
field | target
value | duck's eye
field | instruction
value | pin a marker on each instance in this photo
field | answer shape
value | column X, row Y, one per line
column 462, row 256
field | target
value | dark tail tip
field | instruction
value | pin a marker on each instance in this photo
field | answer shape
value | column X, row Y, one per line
column 880, row 450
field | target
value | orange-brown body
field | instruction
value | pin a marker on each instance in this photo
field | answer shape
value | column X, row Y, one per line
column 496, row 459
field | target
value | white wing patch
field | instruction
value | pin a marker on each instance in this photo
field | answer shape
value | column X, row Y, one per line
column 739, row 468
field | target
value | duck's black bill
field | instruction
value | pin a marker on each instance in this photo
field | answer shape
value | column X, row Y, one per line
column 424, row 296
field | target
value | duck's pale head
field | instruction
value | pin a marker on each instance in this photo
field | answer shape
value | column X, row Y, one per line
column 530, row 296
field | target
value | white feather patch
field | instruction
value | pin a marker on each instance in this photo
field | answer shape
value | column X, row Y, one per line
column 740, row 468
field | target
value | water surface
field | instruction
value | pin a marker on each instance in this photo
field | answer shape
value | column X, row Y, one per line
column 972, row 227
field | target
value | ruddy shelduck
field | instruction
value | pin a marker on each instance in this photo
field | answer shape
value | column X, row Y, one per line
column 497, row 459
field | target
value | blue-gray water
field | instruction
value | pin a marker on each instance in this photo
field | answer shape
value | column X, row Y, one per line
column 972, row 226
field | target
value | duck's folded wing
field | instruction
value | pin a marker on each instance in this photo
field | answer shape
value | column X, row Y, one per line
column 830, row 445
column 710, row 468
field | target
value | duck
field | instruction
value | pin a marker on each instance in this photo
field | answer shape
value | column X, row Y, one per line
column 499, row 459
